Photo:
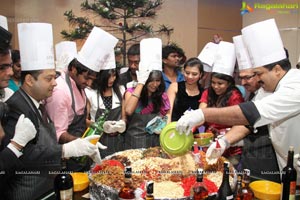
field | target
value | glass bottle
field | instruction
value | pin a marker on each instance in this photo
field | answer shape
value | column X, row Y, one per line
column 238, row 192
column 63, row 185
column 199, row 190
column 225, row 192
column 149, row 189
column 247, row 191
column 127, row 191
column 289, row 177
column 95, row 128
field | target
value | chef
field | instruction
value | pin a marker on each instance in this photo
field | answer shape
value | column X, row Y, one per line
column 65, row 52
column 43, row 155
column 67, row 107
column 277, row 103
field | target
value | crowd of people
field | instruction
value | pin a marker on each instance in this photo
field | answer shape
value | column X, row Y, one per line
column 50, row 107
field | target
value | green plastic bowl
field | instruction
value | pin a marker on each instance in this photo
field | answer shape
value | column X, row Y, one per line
column 173, row 143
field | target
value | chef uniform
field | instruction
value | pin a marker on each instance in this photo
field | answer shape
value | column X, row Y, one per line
column 258, row 152
column 113, row 141
column 281, row 109
column 36, row 48
column 71, row 118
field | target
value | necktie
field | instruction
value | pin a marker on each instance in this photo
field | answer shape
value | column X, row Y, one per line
column 43, row 113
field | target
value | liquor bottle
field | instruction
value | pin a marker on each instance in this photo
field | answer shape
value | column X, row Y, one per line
column 127, row 191
column 289, row 177
column 247, row 191
column 149, row 189
column 225, row 192
column 238, row 192
column 63, row 185
column 199, row 190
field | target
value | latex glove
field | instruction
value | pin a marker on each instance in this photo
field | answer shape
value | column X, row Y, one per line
column 142, row 76
column 24, row 132
column 114, row 126
column 120, row 126
column 297, row 157
column 215, row 151
column 81, row 147
column 189, row 119
column 131, row 84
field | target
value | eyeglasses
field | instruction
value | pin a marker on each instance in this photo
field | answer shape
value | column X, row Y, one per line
column 246, row 78
column 5, row 66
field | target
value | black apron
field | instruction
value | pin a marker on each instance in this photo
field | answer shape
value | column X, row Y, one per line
column 135, row 136
column 77, row 128
column 29, row 187
column 259, row 156
column 113, row 141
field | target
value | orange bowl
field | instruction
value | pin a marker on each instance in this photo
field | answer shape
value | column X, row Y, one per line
column 267, row 190
column 80, row 181
column 203, row 139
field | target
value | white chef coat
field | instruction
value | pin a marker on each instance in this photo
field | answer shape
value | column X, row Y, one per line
column 92, row 97
column 281, row 112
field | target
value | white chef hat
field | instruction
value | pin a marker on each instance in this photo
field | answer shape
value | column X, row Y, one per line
column 225, row 58
column 207, row 56
column 65, row 52
column 150, row 54
column 96, row 49
column 241, row 53
column 264, row 43
column 3, row 22
column 36, row 46
column 110, row 62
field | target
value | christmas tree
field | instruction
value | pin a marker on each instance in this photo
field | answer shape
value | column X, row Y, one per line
column 123, row 17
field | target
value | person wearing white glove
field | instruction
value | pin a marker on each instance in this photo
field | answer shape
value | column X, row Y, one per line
column 114, row 126
column 216, row 149
column 24, row 132
column 142, row 76
column 82, row 147
column 190, row 119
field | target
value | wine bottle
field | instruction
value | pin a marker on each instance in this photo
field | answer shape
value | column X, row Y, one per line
column 199, row 189
column 289, row 177
column 247, row 191
column 149, row 189
column 127, row 191
column 225, row 192
column 63, row 185
column 238, row 192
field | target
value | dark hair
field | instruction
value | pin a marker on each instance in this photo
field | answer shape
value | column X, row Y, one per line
column 34, row 73
column 134, row 50
column 284, row 64
column 167, row 50
column 192, row 62
column 80, row 67
column 101, row 82
column 15, row 55
column 156, row 97
column 221, row 101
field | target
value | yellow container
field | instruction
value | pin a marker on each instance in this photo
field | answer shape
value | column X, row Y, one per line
column 266, row 190
column 203, row 139
column 80, row 181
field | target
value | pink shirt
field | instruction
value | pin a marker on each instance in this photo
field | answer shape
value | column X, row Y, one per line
column 59, row 105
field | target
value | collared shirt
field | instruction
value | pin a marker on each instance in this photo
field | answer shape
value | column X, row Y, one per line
column 279, row 110
column 59, row 105
column 179, row 78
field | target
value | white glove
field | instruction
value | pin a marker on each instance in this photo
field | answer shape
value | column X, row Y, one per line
column 190, row 119
column 24, row 132
column 214, row 152
column 142, row 76
column 297, row 157
column 81, row 147
column 114, row 126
